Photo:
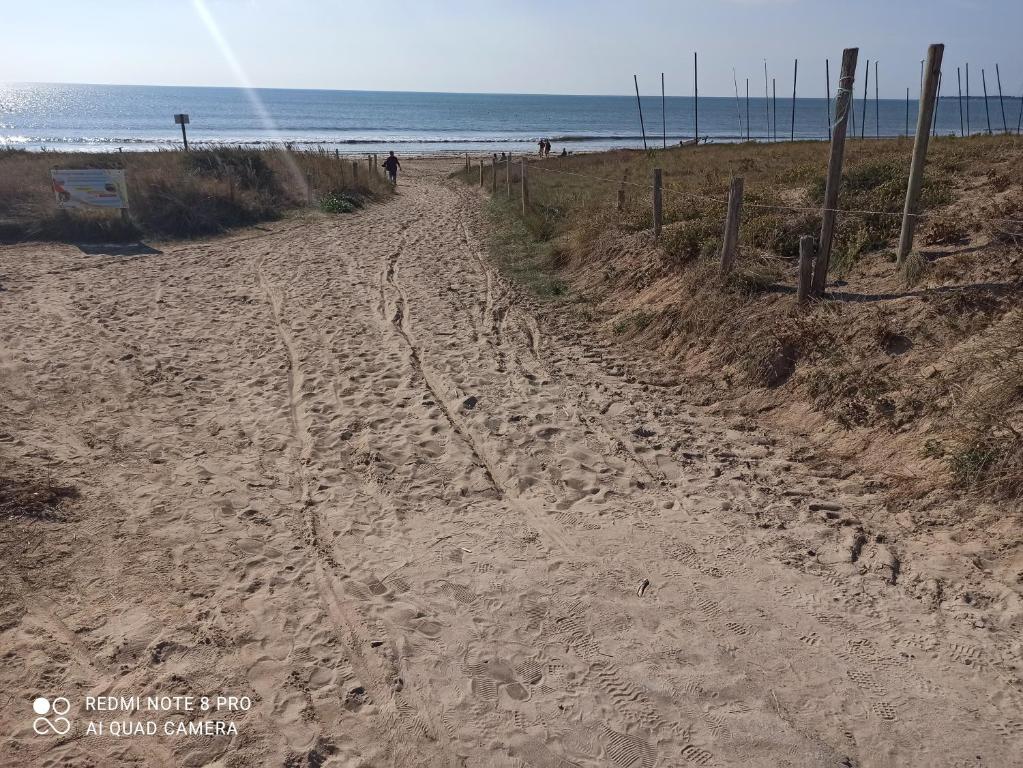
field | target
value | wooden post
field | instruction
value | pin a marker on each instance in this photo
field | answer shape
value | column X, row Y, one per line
column 466, row 167
column 657, row 202
column 846, row 80
column 696, row 100
column 795, row 74
column 481, row 173
column 907, row 111
column 937, row 104
column 524, row 183
column 805, row 288
column 493, row 178
column 827, row 82
column 866, row 82
column 640, row 104
column 507, row 175
column 767, row 102
column 983, row 80
column 355, row 171
column 621, row 199
column 369, row 166
column 730, row 243
column 376, row 166
column 998, row 74
column 916, row 169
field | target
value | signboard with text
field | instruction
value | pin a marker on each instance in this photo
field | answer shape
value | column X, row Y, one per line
column 94, row 188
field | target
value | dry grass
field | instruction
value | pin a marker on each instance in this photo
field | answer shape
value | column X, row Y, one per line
column 856, row 359
column 176, row 194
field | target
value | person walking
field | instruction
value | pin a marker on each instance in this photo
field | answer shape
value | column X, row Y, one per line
column 391, row 165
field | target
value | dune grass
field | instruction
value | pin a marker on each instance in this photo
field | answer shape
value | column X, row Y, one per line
column 855, row 361
column 180, row 194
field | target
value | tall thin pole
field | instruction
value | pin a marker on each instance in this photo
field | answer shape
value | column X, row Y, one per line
column 843, row 97
column 767, row 102
column 827, row 83
column 968, row 131
column 1019, row 121
column 866, row 82
column 983, row 80
column 962, row 125
column 937, row 104
column 916, row 168
column 774, row 105
column 877, row 105
column 664, row 120
column 640, row 104
column 696, row 100
column 738, row 108
column 747, row 109
column 795, row 76
column 998, row 74
column 907, row 111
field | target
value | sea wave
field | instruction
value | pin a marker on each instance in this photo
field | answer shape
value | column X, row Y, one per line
column 319, row 140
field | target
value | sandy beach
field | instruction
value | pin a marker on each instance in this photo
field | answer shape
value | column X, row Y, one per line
column 341, row 468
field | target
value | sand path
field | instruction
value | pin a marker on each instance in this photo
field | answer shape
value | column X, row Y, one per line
column 339, row 466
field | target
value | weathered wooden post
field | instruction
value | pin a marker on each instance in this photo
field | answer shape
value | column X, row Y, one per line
column 481, row 172
column 846, row 80
column 524, row 183
column 507, row 175
column 467, row 167
column 369, row 166
column 916, row 169
column 730, row 243
column 355, row 171
column 621, row 198
column 657, row 202
column 493, row 178
column 805, row 288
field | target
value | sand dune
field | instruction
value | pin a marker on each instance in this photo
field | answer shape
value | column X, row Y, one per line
column 339, row 466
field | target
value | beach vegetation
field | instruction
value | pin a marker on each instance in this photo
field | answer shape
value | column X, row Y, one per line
column 176, row 194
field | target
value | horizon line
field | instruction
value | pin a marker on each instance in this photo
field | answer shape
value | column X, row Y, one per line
column 787, row 98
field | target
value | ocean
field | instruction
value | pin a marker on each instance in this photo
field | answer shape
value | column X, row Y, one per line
column 109, row 117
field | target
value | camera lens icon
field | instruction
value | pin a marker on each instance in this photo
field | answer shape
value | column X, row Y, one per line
column 59, row 707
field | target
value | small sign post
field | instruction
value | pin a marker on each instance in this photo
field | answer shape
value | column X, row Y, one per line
column 182, row 120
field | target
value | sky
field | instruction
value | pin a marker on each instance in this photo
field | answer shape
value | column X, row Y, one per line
column 525, row 46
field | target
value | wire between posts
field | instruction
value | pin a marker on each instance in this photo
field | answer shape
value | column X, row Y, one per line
column 765, row 206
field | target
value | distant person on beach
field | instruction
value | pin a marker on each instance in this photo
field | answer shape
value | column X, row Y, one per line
column 564, row 152
column 547, row 148
column 542, row 143
column 391, row 165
